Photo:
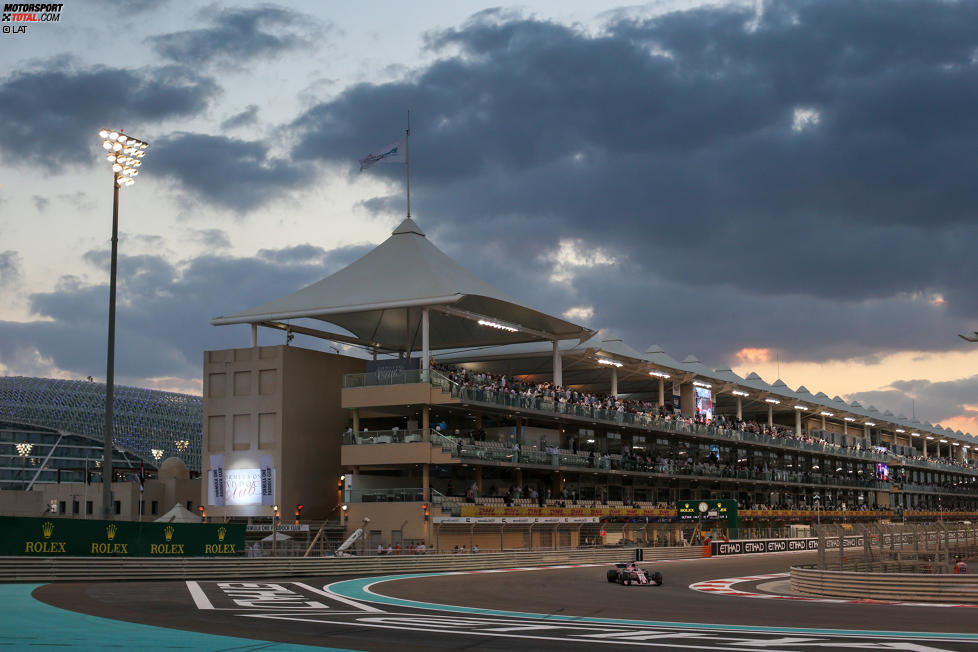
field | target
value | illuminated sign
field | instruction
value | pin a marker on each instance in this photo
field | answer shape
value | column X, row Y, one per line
column 242, row 486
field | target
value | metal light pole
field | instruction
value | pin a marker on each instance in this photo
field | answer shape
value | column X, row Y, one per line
column 125, row 154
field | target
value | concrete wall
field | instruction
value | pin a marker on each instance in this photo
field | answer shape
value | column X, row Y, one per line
column 166, row 493
column 383, row 395
column 312, row 429
column 387, row 518
column 284, row 402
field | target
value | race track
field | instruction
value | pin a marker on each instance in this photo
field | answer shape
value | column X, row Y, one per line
column 545, row 609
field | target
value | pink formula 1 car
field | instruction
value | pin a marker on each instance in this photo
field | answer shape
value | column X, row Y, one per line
column 629, row 573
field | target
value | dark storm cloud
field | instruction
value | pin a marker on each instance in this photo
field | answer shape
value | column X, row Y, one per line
column 246, row 118
column 163, row 310
column 52, row 114
column 932, row 401
column 235, row 36
column 810, row 171
column 236, row 175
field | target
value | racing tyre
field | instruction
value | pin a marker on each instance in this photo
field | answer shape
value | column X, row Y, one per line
column 612, row 577
column 657, row 578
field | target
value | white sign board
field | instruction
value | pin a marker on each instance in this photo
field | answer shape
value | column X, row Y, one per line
column 242, row 486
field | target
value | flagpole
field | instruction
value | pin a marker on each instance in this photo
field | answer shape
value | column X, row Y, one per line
column 407, row 154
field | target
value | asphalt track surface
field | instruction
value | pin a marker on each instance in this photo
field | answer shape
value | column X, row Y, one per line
column 545, row 609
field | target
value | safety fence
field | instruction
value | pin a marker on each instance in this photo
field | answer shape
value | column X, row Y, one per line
column 20, row 569
column 958, row 589
column 930, row 548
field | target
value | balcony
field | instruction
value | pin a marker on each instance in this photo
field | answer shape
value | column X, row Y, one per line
column 431, row 446
column 442, row 390
column 400, row 387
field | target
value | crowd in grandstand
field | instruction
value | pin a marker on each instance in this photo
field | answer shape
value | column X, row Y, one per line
column 547, row 391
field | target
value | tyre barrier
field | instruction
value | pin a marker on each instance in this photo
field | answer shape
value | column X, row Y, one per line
column 61, row 569
column 915, row 587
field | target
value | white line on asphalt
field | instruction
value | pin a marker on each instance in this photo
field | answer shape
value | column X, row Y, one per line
column 339, row 598
column 200, row 599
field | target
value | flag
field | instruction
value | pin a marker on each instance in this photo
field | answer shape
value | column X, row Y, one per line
column 142, row 475
column 394, row 153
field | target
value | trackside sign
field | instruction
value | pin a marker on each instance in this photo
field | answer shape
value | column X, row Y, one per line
column 57, row 537
column 755, row 546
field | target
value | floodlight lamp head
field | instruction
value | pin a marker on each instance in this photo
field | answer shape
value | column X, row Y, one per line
column 124, row 153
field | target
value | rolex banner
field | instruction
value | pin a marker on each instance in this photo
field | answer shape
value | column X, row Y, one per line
column 65, row 537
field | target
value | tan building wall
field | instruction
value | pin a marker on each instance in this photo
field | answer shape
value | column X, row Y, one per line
column 388, row 519
column 383, row 395
column 284, row 402
column 395, row 454
column 166, row 493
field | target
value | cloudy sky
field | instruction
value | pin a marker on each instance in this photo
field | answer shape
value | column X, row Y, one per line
column 782, row 187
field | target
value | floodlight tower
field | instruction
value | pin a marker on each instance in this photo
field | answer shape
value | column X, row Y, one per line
column 124, row 154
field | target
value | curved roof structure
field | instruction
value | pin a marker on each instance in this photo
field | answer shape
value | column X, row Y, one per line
column 144, row 420
column 379, row 298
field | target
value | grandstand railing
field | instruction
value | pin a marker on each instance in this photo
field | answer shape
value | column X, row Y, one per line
column 378, row 378
column 652, row 423
column 655, row 423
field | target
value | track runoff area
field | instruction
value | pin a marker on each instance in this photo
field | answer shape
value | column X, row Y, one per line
column 702, row 604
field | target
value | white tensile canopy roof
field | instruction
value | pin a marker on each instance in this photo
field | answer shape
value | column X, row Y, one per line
column 379, row 298
column 179, row 514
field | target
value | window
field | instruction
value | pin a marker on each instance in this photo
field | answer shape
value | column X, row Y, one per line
column 88, row 507
column 190, row 505
column 61, row 507
column 155, row 506
column 117, row 507
column 74, row 507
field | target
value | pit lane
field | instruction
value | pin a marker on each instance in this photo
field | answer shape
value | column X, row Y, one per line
column 550, row 609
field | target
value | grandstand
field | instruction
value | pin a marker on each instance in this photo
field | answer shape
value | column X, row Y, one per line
column 479, row 410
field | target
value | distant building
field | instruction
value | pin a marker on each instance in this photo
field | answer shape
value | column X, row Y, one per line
column 51, row 445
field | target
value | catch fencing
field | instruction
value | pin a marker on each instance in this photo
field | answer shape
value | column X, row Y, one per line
column 931, row 548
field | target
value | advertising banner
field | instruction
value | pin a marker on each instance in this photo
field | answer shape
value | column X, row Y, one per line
column 281, row 527
column 756, row 546
column 243, row 487
column 64, row 537
column 516, row 520
column 540, row 512
column 267, row 480
column 215, row 481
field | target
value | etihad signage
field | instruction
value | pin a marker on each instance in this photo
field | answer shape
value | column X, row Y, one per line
column 757, row 546
column 97, row 538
